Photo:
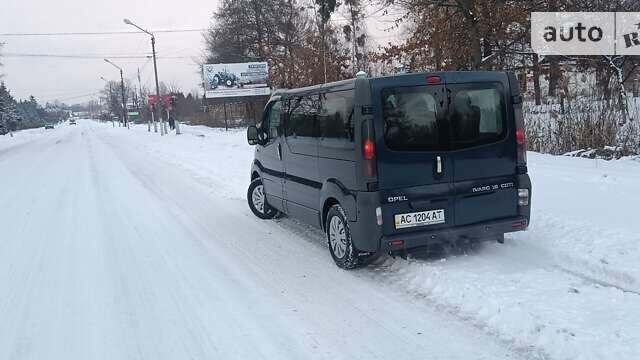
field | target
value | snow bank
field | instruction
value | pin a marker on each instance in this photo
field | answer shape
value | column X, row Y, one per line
column 219, row 158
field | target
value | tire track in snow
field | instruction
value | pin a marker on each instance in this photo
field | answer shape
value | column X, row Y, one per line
column 613, row 268
column 595, row 281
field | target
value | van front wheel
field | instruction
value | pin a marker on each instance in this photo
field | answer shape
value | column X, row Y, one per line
column 258, row 201
column 344, row 254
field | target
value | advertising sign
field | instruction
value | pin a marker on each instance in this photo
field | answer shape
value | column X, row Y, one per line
column 585, row 33
column 152, row 100
column 167, row 101
column 237, row 79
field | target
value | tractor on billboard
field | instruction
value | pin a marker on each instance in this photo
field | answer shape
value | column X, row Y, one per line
column 223, row 77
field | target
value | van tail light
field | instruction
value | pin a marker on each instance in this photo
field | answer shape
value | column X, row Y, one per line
column 368, row 149
column 396, row 243
column 433, row 80
column 519, row 223
column 523, row 197
column 521, row 140
column 379, row 216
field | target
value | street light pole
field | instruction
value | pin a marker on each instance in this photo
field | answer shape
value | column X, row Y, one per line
column 124, row 101
column 110, row 98
column 140, row 100
column 155, row 72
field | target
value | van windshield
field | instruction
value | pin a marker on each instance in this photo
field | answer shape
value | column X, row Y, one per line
column 413, row 120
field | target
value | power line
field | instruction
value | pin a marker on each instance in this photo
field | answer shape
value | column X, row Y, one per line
column 79, row 96
column 74, row 56
column 99, row 33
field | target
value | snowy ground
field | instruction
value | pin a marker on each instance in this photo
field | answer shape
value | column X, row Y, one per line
column 122, row 244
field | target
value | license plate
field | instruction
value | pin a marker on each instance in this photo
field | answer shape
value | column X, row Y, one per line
column 420, row 218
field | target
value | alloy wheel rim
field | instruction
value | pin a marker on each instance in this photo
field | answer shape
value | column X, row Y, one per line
column 337, row 237
column 257, row 197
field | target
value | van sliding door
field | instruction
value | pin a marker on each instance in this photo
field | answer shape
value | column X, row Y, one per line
column 302, row 184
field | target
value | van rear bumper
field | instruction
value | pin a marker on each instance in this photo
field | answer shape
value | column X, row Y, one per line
column 475, row 231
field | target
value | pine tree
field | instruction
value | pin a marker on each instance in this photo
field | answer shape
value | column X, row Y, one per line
column 8, row 109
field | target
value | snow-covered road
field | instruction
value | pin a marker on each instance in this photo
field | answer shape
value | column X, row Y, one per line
column 110, row 253
column 120, row 244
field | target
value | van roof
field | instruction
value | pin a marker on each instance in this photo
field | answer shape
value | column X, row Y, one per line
column 449, row 77
column 336, row 85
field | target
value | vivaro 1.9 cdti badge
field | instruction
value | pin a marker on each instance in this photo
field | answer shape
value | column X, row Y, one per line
column 393, row 163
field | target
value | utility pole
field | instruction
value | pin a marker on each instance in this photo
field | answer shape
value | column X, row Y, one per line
column 139, row 108
column 109, row 102
column 163, row 129
column 124, row 101
column 155, row 71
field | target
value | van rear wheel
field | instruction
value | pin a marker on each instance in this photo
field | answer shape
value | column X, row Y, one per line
column 258, row 201
column 344, row 254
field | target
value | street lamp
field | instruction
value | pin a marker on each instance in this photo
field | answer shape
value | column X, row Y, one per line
column 110, row 97
column 163, row 129
column 124, row 101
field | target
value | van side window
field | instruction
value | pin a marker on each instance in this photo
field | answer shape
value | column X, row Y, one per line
column 335, row 120
column 301, row 121
column 477, row 117
column 410, row 119
column 273, row 120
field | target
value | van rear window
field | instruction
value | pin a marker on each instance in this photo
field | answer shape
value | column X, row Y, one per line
column 477, row 117
column 411, row 119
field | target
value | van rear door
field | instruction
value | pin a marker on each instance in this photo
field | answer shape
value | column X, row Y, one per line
column 415, row 171
column 483, row 147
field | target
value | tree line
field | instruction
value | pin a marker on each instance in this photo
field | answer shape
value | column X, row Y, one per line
column 328, row 40
column 307, row 43
column 25, row 114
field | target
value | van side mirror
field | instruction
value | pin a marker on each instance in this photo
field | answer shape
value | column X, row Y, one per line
column 252, row 135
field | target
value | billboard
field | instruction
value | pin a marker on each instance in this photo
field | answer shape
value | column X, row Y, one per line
column 237, row 79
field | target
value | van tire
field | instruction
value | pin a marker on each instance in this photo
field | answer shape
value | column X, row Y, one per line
column 341, row 247
column 255, row 197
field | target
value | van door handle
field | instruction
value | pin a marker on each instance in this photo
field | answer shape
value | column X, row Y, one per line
column 279, row 151
column 438, row 165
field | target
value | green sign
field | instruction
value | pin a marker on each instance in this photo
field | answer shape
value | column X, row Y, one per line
column 133, row 115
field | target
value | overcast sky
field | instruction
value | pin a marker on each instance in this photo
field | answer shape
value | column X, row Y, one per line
column 71, row 80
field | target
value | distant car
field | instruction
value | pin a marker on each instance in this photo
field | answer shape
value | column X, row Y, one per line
column 72, row 122
column 48, row 126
